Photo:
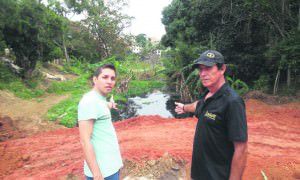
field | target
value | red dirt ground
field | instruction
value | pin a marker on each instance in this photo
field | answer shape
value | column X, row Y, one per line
column 274, row 145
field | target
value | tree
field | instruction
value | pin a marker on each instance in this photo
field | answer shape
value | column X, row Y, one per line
column 141, row 40
column 243, row 31
column 57, row 7
column 105, row 22
column 29, row 31
column 6, row 8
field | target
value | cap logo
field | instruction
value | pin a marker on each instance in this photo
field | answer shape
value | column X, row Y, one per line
column 210, row 55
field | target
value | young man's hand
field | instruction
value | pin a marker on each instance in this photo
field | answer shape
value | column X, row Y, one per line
column 111, row 104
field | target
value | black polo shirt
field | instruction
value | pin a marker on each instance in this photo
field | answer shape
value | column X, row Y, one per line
column 221, row 121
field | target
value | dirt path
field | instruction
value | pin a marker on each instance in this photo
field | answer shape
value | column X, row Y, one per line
column 27, row 116
column 147, row 141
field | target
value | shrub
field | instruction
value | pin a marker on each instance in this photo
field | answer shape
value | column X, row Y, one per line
column 262, row 84
column 239, row 86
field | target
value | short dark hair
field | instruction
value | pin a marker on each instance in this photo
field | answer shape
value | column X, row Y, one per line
column 219, row 65
column 227, row 71
column 104, row 66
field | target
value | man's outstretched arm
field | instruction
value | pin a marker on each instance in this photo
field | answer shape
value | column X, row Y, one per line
column 184, row 108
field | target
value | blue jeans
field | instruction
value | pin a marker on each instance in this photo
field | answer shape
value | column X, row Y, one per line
column 111, row 177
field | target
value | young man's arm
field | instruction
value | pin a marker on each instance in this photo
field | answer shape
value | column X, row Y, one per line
column 184, row 108
column 85, row 132
column 238, row 161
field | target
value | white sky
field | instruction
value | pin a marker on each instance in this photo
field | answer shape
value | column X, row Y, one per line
column 147, row 14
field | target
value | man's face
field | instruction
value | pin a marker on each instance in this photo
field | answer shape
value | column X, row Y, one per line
column 210, row 75
column 106, row 81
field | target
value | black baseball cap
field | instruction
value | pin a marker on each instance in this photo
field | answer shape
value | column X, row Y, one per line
column 209, row 58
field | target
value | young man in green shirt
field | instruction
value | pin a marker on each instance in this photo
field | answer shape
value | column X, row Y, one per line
column 97, row 133
column 220, row 141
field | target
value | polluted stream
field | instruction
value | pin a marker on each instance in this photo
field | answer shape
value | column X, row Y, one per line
column 155, row 103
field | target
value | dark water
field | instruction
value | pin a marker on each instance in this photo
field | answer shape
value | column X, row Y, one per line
column 155, row 103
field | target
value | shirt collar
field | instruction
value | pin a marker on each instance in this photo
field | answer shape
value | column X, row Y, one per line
column 221, row 91
column 99, row 95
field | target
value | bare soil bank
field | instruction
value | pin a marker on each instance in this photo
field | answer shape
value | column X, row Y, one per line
column 159, row 148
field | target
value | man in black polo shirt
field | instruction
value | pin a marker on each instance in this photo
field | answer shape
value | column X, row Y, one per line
column 220, row 142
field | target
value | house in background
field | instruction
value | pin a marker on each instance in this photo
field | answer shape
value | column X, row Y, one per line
column 136, row 49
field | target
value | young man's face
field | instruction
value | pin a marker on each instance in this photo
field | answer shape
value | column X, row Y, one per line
column 210, row 75
column 105, row 82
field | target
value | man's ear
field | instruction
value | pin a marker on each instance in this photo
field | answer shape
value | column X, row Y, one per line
column 223, row 68
column 94, row 79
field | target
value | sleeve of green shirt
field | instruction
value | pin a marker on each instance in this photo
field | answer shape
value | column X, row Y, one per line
column 87, row 109
column 236, row 120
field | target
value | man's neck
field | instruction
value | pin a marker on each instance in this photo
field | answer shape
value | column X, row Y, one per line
column 95, row 89
column 216, row 87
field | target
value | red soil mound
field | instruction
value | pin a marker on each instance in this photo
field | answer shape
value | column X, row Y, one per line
column 274, row 145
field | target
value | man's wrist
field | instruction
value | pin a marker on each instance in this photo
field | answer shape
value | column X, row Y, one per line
column 183, row 108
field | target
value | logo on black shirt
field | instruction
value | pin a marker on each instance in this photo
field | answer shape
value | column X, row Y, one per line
column 210, row 115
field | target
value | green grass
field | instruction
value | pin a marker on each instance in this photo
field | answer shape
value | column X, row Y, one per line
column 22, row 89
column 65, row 111
column 141, row 87
column 78, row 85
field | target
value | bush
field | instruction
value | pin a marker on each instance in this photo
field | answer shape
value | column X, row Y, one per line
column 23, row 89
column 239, row 86
column 262, row 83
column 65, row 111
column 142, row 87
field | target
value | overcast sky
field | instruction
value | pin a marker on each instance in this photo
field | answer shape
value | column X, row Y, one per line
column 147, row 14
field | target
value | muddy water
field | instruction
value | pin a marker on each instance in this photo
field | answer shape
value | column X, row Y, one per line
column 155, row 103
column 152, row 104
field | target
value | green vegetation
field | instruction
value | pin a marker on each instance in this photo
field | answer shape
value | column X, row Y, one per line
column 240, row 86
column 137, row 87
column 143, row 80
column 259, row 37
column 66, row 111
column 37, row 32
column 23, row 89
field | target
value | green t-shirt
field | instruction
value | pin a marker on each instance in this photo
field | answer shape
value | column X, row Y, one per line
column 104, row 138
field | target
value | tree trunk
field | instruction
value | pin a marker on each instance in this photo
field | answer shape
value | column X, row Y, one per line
column 288, row 82
column 65, row 49
column 276, row 82
column 231, row 7
column 299, row 19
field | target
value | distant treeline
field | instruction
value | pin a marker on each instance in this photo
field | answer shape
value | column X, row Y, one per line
column 260, row 38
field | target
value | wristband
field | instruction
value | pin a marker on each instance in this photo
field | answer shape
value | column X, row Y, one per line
column 183, row 108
